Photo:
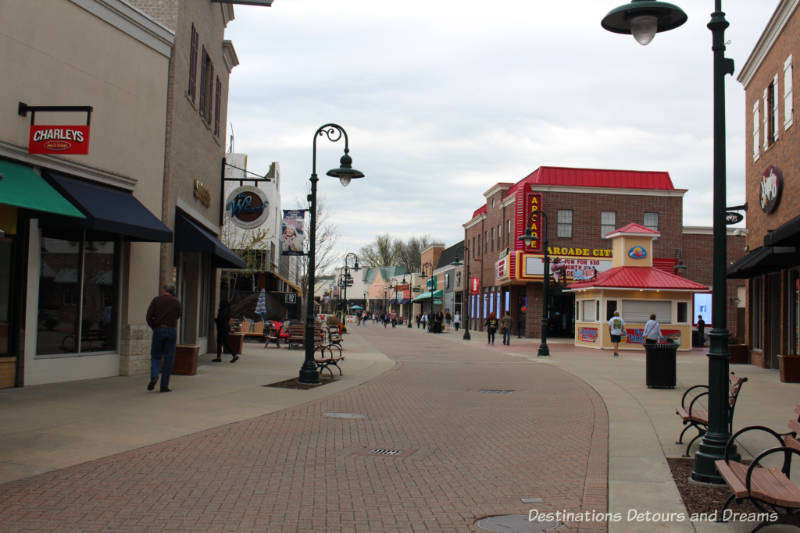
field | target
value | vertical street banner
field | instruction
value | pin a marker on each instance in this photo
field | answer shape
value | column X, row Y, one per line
column 293, row 232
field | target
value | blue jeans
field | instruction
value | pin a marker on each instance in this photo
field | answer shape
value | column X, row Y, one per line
column 507, row 336
column 162, row 353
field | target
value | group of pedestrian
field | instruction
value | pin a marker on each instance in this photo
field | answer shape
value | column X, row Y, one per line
column 504, row 324
column 651, row 334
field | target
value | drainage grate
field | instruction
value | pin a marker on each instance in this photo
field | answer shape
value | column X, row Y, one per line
column 380, row 451
column 343, row 415
column 497, row 391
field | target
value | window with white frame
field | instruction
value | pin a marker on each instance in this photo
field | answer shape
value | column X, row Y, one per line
column 756, row 131
column 508, row 232
column 788, row 105
column 589, row 310
column 564, row 223
column 608, row 222
column 651, row 221
column 771, row 113
column 640, row 311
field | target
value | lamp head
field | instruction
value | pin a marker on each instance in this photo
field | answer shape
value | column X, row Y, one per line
column 345, row 172
column 528, row 237
column 643, row 19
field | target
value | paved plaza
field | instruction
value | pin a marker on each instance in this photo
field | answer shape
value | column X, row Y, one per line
column 423, row 432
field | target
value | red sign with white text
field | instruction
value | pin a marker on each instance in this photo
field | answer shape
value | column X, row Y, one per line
column 58, row 140
column 474, row 285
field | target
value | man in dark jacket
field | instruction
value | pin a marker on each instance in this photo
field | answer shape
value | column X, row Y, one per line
column 162, row 317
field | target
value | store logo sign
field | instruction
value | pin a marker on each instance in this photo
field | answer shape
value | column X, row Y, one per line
column 58, row 140
column 637, row 252
column 247, row 207
column 771, row 189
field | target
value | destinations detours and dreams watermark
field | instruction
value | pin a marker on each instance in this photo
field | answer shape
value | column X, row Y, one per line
column 644, row 516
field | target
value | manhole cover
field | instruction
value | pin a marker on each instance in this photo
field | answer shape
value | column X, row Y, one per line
column 497, row 391
column 343, row 415
column 515, row 523
column 381, row 451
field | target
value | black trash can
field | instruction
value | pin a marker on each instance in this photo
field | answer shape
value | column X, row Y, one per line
column 660, row 365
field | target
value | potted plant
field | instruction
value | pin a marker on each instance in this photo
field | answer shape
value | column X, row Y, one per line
column 789, row 367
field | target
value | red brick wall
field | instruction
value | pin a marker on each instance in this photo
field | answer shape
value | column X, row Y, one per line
column 784, row 153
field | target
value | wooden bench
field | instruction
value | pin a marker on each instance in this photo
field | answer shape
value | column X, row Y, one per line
column 326, row 355
column 770, row 489
column 334, row 337
column 694, row 416
column 275, row 334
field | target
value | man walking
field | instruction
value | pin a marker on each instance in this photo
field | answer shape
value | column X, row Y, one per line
column 162, row 317
column 616, row 328
column 505, row 324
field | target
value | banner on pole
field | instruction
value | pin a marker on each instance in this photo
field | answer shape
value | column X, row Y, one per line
column 292, row 232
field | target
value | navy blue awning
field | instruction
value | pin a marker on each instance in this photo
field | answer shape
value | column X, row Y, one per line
column 111, row 210
column 192, row 237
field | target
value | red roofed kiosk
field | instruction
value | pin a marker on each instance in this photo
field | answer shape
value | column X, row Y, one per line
column 636, row 289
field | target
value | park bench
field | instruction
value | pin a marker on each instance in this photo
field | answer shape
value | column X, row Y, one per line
column 275, row 334
column 334, row 337
column 770, row 489
column 326, row 355
column 694, row 414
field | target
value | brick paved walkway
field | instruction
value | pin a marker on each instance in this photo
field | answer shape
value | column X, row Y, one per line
column 464, row 455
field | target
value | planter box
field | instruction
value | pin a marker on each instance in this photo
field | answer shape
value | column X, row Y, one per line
column 236, row 341
column 790, row 368
column 8, row 372
column 186, row 359
column 739, row 355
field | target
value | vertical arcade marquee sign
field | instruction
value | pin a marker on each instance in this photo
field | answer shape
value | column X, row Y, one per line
column 526, row 213
column 57, row 139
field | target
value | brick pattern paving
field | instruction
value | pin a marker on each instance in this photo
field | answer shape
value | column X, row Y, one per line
column 464, row 455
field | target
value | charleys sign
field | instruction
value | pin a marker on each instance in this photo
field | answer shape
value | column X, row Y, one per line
column 247, row 207
column 58, row 140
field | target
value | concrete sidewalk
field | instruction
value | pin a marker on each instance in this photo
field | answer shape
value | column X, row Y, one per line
column 47, row 427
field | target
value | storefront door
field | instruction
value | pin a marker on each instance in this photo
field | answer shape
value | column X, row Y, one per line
column 6, row 316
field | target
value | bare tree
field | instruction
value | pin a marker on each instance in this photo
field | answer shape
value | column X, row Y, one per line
column 382, row 252
column 252, row 246
column 327, row 236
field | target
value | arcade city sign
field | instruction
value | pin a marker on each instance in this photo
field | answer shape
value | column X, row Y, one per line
column 247, row 207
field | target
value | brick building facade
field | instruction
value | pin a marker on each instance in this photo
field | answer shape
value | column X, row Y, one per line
column 579, row 207
column 772, row 266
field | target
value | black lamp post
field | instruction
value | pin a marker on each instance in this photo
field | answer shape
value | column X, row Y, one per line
column 347, row 280
column 410, row 294
column 544, row 350
column 425, row 277
column 345, row 172
column 644, row 19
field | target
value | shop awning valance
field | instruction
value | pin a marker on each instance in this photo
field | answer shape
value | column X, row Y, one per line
column 20, row 186
column 427, row 296
column 111, row 210
column 192, row 237
column 763, row 260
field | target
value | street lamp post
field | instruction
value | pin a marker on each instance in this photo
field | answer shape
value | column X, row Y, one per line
column 410, row 293
column 644, row 19
column 544, row 350
column 345, row 172
column 348, row 279
column 430, row 293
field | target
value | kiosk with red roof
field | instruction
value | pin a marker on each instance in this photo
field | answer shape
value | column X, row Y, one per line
column 635, row 288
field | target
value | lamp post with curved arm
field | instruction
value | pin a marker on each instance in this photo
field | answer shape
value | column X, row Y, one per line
column 643, row 19
column 347, row 281
column 345, row 172
column 544, row 350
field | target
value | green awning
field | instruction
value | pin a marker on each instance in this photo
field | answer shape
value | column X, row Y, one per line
column 20, row 186
column 427, row 296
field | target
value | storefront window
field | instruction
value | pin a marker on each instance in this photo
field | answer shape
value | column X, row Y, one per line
column 793, row 331
column 76, row 295
column 5, row 293
column 589, row 310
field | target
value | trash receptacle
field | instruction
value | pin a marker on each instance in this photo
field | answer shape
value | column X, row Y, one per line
column 660, row 365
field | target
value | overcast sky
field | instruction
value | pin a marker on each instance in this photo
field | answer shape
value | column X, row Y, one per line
column 441, row 99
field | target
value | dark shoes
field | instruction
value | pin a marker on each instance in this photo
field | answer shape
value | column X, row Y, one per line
column 235, row 358
column 152, row 384
column 217, row 360
column 165, row 389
